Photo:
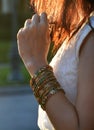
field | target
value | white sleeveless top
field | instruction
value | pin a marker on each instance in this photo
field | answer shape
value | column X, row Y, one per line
column 65, row 67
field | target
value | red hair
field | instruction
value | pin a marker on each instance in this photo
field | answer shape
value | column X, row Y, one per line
column 65, row 16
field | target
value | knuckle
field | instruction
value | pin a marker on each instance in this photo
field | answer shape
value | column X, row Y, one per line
column 44, row 15
column 35, row 16
column 27, row 22
column 19, row 33
column 35, row 19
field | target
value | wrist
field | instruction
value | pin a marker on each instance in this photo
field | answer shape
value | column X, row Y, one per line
column 44, row 85
column 34, row 67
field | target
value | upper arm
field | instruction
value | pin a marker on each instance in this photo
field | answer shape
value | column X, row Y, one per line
column 85, row 96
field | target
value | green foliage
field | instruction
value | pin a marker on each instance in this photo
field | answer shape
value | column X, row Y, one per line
column 5, row 71
column 4, row 51
column 25, row 74
column 3, row 75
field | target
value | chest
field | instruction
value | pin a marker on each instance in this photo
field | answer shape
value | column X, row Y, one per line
column 65, row 68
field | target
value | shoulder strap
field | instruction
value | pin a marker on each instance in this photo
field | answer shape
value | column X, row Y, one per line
column 89, row 22
column 86, row 29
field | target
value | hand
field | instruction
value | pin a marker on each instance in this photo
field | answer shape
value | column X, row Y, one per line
column 33, row 42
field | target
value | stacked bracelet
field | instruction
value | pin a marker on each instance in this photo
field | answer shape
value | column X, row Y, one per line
column 44, row 85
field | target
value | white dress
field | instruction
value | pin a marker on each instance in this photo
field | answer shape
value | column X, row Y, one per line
column 65, row 66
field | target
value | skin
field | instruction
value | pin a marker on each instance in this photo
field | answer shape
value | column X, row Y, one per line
column 33, row 45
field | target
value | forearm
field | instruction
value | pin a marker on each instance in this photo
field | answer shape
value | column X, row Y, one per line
column 60, row 110
column 62, row 113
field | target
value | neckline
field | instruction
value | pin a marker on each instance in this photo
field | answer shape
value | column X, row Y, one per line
column 87, row 21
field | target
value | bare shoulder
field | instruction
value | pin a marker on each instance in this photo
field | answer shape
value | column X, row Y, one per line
column 88, row 42
column 85, row 96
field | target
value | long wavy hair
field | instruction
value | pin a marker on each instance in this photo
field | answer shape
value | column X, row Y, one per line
column 65, row 16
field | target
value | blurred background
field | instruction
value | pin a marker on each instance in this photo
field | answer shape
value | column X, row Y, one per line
column 13, row 14
column 18, row 107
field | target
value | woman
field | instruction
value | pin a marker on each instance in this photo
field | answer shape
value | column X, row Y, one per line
column 65, row 88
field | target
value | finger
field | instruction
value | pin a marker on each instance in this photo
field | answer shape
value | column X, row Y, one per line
column 35, row 19
column 43, row 18
column 27, row 23
column 19, row 33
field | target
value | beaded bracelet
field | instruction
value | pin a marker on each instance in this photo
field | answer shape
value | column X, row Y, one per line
column 41, row 70
column 44, row 85
column 50, row 94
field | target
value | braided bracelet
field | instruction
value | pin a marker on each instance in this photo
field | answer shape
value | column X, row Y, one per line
column 44, row 85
